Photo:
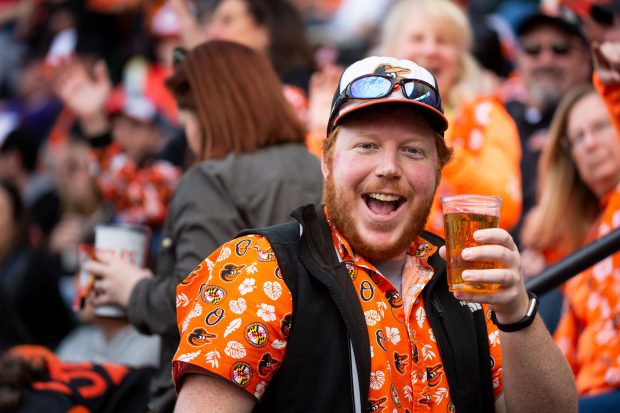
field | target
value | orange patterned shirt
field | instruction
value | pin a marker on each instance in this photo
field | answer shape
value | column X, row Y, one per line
column 588, row 330
column 234, row 313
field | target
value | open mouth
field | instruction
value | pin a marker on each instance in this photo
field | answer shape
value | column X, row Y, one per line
column 383, row 204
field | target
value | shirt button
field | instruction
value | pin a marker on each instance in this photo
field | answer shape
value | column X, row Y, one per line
column 166, row 242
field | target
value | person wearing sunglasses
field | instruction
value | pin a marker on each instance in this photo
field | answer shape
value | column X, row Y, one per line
column 484, row 137
column 347, row 310
column 552, row 57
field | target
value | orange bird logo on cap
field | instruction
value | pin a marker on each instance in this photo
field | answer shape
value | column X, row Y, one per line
column 389, row 70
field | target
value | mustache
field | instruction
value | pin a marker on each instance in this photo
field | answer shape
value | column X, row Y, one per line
column 387, row 187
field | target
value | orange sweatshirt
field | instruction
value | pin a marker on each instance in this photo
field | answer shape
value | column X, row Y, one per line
column 487, row 152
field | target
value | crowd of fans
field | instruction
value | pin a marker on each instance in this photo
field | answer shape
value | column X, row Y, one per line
column 150, row 113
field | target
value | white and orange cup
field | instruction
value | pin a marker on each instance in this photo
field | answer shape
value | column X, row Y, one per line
column 126, row 242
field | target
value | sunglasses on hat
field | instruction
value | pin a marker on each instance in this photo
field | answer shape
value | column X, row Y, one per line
column 558, row 49
column 378, row 86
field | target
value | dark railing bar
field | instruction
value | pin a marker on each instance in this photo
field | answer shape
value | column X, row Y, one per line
column 583, row 258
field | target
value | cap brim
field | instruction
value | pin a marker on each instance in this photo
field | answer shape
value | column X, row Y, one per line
column 436, row 119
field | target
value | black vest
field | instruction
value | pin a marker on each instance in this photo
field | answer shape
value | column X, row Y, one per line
column 315, row 375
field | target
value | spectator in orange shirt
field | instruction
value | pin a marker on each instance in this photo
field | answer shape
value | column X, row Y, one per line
column 348, row 309
column 588, row 330
column 574, row 170
column 484, row 137
column 588, row 333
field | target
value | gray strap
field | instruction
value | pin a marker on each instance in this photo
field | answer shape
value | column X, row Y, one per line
column 357, row 403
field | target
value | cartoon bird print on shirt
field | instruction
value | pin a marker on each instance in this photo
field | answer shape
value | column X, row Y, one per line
column 200, row 337
column 231, row 272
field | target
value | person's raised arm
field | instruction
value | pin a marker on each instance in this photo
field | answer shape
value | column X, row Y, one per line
column 536, row 376
column 606, row 58
column 206, row 393
column 84, row 94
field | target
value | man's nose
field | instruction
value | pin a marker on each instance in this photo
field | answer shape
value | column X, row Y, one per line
column 546, row 56
column 389, row 165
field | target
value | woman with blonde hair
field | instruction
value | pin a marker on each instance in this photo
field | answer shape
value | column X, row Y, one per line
column 578, row 202
column 484, row 137
column 561, row 184
column 579, row 166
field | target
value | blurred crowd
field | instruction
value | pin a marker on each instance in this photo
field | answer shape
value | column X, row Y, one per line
column 140, row 112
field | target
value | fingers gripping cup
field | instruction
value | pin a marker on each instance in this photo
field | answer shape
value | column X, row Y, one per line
column 127, row 242
column 463, row 215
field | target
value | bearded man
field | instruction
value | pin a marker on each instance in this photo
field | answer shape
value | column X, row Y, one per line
column 552, row 56
column 348, row 309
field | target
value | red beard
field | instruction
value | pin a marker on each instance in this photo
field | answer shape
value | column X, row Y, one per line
column 338, row 208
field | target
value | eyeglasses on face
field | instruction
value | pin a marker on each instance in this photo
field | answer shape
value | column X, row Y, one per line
column 577, row 138
column 558, row 49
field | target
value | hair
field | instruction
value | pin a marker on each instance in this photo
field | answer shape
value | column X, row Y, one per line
column 559, row 185
column 288, row 47
column 26, row 144
column 444, row 153
column 16, row 380
column 450, row 17
column 20, row 216
column 237, row 97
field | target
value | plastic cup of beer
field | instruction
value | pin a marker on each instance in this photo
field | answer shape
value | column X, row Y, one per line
column 127, row 242
column 463, row 215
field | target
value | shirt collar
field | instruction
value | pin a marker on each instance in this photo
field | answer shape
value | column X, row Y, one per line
column 420, row 248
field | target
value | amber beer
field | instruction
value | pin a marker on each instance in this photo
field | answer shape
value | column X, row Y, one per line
column 463, row 215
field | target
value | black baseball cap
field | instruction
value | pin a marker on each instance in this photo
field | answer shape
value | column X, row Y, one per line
column 567, row 24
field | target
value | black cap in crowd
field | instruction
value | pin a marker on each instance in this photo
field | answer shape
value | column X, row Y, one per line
column 566, row 23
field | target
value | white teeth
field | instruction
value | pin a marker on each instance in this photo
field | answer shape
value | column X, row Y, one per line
column 384, row 197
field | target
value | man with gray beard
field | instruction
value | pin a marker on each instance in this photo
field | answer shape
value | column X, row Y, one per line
column 553, row 56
